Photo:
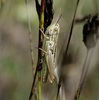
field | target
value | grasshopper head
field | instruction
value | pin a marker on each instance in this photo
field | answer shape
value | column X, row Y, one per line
column 54, row 29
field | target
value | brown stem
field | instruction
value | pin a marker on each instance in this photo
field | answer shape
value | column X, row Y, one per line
column 83, row 68
column 86, row 71
column 31, row 93
column 81, row 78
column 59, row 85
column 40, row 40
column 72, row 27
column 30, row 36
column 31, row 47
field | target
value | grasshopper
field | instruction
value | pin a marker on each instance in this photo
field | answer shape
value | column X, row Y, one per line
column 50, row 52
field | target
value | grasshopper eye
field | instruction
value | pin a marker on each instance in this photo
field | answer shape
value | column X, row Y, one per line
column 55, row 29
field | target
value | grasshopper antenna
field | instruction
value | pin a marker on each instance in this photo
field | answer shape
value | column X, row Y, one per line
column 58, row 18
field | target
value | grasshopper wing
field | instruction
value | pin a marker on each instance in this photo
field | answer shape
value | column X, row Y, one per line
column 44, row 64
column 50, row 61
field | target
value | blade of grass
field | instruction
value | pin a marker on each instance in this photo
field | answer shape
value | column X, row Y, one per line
column 39, row 65
column 81, row 78
column 83, row 75
column 31, row 45
column 59, row 85
column 32, row 88
column 31, row 93
column 40, row 41
column 86, row 71
column 30, row 37
column 40, row 46
column 72, row 26
column 39, row 85
column 83, row 67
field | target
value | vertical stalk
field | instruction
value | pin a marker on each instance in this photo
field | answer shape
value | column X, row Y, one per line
column 83, row 68
column 81, row 78
column 86, row 71
column 31, row 45
column 83, row 75
column 40, row 11
column 39, row 65
column 72, row 26
column 30, row 37
column 39, row 85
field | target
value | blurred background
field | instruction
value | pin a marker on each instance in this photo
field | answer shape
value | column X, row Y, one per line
column 15, row 59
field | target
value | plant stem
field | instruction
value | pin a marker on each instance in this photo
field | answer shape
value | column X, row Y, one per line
column 83, row 68
column 83, row 75
column 39, row 85
column 39, row 65
column 72, row 26
column 81, row 78
column 30, row 37
column 86, row 71
column 40, row 41
column 31, row 45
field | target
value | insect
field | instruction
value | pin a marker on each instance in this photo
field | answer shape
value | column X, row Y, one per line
column 50, row 52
